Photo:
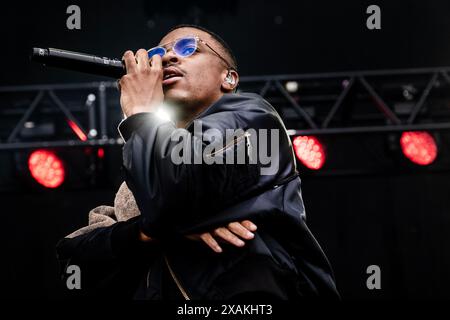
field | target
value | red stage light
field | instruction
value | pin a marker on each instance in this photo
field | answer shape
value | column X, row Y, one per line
column 46, row 168
column 101, row 153
column 80, row 134
column 419, row 147
column 309, row 151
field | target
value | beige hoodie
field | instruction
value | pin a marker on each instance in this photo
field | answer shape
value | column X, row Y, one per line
column 125, row 207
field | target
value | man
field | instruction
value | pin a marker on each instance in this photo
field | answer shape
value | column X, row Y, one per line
column 187, row 182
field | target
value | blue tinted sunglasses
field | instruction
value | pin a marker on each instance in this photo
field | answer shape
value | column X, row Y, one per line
column 183, row 47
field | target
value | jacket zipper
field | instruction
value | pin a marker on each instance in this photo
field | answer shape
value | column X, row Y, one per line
column 177, row 282
column 236, row 141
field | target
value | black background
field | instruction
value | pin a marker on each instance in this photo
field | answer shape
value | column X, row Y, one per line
column 399, row 221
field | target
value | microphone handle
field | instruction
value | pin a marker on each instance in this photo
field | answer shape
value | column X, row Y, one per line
column 79, row 62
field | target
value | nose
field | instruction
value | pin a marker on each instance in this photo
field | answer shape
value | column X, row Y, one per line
column 169, row 58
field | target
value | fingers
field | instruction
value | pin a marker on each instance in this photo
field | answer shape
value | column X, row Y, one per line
column 130, row 61
column 249, row 225
column 143, row 237
column 211, row 242
column 142, row 59
column 156, row 61
column 156, row 66
column 193, row 237
column 238, row 229
column 206, row 238
column 226, row 235
column 230, row 234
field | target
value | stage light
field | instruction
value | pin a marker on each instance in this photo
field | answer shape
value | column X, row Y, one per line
column 101, row 153
column 419, row 147
column 292, row 86
column 408, row 92
column 93, row 133
column 309, row 151
column 29, row 125
column 80, row 134
column 90, row 99
column 46, row 168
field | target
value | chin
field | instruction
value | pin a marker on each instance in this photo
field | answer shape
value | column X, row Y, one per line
column 176, row 96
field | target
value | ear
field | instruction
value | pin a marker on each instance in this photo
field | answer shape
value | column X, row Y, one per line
column 230, row 80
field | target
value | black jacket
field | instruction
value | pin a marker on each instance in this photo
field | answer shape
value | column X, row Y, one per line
column 175, row 199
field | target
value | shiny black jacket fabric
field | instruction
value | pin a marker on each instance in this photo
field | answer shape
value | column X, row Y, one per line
column 283, row 261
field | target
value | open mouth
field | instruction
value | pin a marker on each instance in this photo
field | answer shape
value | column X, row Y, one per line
column 168, row 76
column 171, row 74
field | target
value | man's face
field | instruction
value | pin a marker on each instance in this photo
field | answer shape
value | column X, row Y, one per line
column 202, row 73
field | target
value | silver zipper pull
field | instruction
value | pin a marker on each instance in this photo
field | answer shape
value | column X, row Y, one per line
column 249, row 146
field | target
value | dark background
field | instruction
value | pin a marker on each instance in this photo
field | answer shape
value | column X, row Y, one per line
column 397, row 220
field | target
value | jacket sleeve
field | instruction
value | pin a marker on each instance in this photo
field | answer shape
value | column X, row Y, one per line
column 108, row 258
column 173, row 195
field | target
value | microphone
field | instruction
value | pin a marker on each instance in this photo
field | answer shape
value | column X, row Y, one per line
column 77, row 61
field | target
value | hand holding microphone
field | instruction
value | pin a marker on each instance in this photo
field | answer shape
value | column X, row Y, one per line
column 140, row 83
column 141, row 88
column 78, row 61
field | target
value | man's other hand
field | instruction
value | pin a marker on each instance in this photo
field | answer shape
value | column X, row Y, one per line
column 233, row 233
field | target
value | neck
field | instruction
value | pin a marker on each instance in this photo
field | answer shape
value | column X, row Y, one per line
column 182, row 123
column 188, row 114
column 187, row 117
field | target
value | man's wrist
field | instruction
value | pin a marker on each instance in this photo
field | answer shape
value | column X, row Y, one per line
column 137, row 110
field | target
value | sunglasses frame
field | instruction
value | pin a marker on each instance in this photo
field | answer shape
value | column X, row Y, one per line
column 197, row 40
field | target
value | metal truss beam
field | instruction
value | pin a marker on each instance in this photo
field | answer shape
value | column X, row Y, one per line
column 368, row 85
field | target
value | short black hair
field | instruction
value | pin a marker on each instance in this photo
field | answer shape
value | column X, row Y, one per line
column 216, row 37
